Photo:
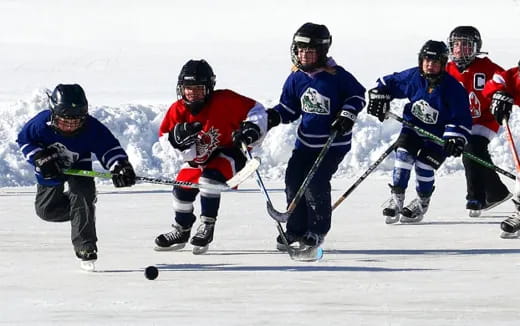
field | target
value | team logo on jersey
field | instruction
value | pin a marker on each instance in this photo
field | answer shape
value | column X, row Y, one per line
column 67, row 157
column 424, row 112
column 206, row 143
column 479, row 80
column 314, row 102
column 474, row 105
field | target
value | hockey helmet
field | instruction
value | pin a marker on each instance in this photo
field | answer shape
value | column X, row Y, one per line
column 196, row 72
column 315, row 36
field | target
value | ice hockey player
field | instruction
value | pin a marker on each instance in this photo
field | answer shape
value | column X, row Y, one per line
column 65, row 137
column 206, row 127
column 327, row 98
column 439, row 105
column 504, row 91
column 484, row 187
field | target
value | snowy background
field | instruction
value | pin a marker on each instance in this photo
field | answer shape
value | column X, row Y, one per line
column 127, row 55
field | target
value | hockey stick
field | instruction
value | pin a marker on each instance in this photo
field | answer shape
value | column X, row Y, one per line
column 509, row 136
column 241, row 176
column 440, row 141
column 290, row 250
column 370, row 169
column 284, row 216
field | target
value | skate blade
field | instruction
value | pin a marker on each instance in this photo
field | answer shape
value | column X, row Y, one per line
column 307, row 254
column 474, row 213
column 392, row 219
column 170, row 248
column 87, row 265
column 198, row 250
column 411, row 220
column 509, row 235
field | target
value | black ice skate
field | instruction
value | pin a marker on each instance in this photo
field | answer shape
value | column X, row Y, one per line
column 511, row 227
column 174, row 240
column 204, row 235
column 291, row 239
column 414, row 212
column 494, row 202
column 474, row 207
column 87, row 257
column 394, row 206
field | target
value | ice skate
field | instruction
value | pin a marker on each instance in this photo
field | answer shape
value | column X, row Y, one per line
column 394, row 206
column 414, row 212
column 204, row 235
column 292, row 240
column 474, row 208
column 495, row 202
column 88, row 258
column 174, row 240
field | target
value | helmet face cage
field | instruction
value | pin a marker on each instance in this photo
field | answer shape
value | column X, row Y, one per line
column 311, row 36
column 469, row 42
column 196, row 72
column 69, row 108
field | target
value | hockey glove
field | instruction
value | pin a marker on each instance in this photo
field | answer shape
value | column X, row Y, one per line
column 248, row 133
column 501, row 106
column 454, row 146
column 47, row 163
column 344, row 122
column 273, row 118
column 378, row 103
column 123, row 174
column 184, row 134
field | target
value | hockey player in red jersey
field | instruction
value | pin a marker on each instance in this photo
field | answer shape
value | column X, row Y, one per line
column 504, row 90
column 207, row 127
column 484, row 187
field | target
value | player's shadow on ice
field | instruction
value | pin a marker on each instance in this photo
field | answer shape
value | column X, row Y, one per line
column 400, row 252
column 305, row 267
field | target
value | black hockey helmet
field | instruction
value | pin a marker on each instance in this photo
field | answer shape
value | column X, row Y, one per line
column 315, row 36
column 435, row 50
column 196, row 72
column 470, row 37
column 68, row 102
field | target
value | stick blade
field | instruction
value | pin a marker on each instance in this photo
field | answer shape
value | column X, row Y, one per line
column 276, row 215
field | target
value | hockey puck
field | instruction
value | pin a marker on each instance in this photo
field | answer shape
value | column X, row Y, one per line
column 151, row 272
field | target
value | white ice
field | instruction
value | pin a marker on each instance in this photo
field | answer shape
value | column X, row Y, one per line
column 449, row 270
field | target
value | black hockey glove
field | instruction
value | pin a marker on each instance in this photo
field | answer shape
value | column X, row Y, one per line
column 123, row 174
column 248, row 133
column 344, row 122
column 501, row 106
column 454, row 146
column 184, row 134
column 47, row 163
column 378, row 103
column 273, row 118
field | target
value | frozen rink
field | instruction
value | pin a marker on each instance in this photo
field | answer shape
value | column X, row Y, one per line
column 449, row 270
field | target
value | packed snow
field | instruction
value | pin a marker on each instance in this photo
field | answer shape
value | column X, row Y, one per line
column 448, row 270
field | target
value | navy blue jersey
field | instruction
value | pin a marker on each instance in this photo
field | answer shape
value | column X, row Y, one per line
column 75, row 152
column 443, row 111
column 318, row 98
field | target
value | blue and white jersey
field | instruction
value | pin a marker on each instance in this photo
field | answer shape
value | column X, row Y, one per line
column 443, row 110
column 75, row 152
column 318, row 98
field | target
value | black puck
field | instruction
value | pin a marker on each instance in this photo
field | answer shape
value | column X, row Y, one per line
column 151, row 272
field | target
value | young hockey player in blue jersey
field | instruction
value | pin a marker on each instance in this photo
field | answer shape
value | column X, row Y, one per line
column 438, row 104
column 327, row 98
column 65, row 137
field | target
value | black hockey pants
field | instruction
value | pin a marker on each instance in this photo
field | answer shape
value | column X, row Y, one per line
column 76, row 205
column 483, row 184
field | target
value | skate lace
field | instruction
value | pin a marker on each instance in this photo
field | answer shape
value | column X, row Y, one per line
column 416, row 206
column 204, row 229
column 173, row 235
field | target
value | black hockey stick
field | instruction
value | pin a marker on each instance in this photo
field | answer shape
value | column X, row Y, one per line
column 294, row 254
column 440, row 141
column 284, row 216
column 370, row 169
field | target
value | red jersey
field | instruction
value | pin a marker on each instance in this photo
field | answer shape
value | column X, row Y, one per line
column 474, row 79
column 221, row 115
column 507, row 81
